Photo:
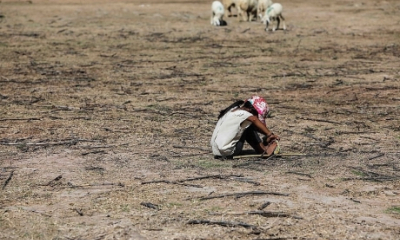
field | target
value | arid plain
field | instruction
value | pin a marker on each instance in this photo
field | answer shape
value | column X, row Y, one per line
column 107, row 109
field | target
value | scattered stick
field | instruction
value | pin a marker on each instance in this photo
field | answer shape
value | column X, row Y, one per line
column 93, row 152
column 223, row 223
column 246, row 180
column 288, row 75
column 150, row 205
column 79, row 211
column 19, row 119
column 66, row 142
column 3, row 76
column 180, row 182
column 378, row 165
column 173, row 182
column 245, row 30
column 8, row 180
column 377, row 156
column 242, row 194
column 267, row 214
column 275, row 238
column 372, row 176
column 105, row 146
column 354, row 200
column 34, row 211
column 374, row 179
column 301, row 174
column 95, row 184
column 100, row 169
column 354, row 132
column 218, row 176
column 52, row 182
column 312, row 137
column 318, row 120
column 264, row 205
column 266, row 157
column 272, row 214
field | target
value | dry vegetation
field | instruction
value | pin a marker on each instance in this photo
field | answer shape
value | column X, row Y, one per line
column 107, row 108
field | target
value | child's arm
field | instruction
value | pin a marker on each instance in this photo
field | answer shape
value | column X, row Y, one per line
column 263, row 129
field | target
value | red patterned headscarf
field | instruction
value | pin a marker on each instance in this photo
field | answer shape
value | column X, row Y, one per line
column 261, row 106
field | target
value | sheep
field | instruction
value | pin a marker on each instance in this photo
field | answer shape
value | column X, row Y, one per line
column 274, row 12
column 247, row 6
column 263, row 5
column 217, row 14
column 228, row 5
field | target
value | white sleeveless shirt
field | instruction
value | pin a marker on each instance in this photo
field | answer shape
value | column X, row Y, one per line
column 228, row 131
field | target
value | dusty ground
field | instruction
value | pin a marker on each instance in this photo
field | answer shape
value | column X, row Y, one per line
column 107, row 108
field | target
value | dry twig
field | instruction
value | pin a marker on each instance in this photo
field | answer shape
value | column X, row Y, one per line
column 222, row 223
column 242, row 194
column 8, row 180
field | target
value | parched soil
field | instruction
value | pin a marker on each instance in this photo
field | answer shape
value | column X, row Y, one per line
column 107, row 109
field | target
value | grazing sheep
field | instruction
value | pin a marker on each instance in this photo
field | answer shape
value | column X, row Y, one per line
column 247, row 8
column 228, row 5
column 263, row 5
column 217, row 14
column 274, row 12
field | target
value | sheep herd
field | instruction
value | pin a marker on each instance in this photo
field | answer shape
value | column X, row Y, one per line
column 264, row 10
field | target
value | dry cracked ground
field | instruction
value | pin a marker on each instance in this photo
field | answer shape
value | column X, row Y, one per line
column 107, row 109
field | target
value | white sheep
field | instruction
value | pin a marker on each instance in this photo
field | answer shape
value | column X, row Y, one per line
column 247, row 8
column 274, row 12
column 263, row 5
column 228, row 5
column 217, row 14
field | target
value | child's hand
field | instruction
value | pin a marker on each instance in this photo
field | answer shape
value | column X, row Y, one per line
column 272, row 137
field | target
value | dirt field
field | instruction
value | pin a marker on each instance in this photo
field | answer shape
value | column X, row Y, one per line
column 107, row 109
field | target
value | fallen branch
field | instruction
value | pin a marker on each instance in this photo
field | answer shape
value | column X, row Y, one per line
column 377, row 156
column 289, row 75
column 246, row 180
column 354, row 200
column 93, row 152
column 66, row 142
column 105, row 146
column 317, row 120
column 150, row 205
column 173, row 182
column 71, row 142
column 263, row 213
column 42, row 213
column 95, row 184
column 301, row 174
column 8, row 180
column 264, row 205
column 272, row 214
column 180, row 182
column 218, row 176
column 374, row 179
column 223, row 223
column 353, row 132
column 276, row 238
column 242, row 194
column 245, row 30
column 79, row 211
column 267, row 157
column 52, row 182
column 19, row 119
column 371, row 176
column 379, row 165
